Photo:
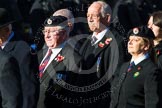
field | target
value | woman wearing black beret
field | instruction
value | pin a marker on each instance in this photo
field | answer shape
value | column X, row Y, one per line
column 137, row 83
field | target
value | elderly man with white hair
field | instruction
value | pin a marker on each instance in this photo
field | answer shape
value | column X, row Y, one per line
column 103, row 53
column 59, row 63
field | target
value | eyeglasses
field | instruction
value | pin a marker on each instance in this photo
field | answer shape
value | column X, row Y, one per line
column 52, row 31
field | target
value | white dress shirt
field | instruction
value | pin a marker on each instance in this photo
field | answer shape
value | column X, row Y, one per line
column 139, row 59
column 55, row 52
column 100, row 35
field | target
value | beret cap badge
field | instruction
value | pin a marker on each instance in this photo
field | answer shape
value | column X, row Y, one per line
column 49, row 21
column 56, row 21
column 142, row 31
column 135, row 31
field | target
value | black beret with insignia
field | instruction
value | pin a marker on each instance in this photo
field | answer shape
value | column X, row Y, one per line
column 56, row 21
column 142, row 31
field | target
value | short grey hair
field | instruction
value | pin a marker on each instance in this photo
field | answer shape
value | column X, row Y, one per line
column 66, row 13
column 105, row 8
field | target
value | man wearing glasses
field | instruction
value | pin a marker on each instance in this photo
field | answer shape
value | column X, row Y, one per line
column 58, row 65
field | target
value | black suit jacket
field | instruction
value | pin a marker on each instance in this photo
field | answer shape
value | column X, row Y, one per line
column 158, row 50
column 101, row 62
column 10, row 87
column 21, row 52
column 137, row 88
column 65, row 70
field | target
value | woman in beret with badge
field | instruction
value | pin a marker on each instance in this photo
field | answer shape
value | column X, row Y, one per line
column 137, row 83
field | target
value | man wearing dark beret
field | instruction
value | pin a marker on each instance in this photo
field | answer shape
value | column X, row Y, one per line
column 137, row 84
column 59, row 64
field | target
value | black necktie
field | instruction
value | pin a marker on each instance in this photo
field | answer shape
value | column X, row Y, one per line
column 93, row 40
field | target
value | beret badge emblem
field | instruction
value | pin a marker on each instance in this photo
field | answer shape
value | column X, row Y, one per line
column 49, row 21
column 135, row 31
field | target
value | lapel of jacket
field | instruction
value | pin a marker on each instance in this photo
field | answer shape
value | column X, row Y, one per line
column 101, row 45
column 12, row 42
column 9, row 46
column 40, row 56
column 115, row 89
column 51, row 69
column 122, row 77
column 84, row 46
column 42, row 53
column 61, row 53
column 124, row 72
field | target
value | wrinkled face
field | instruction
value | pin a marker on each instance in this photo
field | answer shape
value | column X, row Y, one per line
column 136, row 45
column 153, row 27
column 94, row 17
column 54, row 36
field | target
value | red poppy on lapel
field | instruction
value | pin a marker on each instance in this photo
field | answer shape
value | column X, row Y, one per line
column 59, row 58
column 108, row 40
column 139, row 68
column 157, row 52
column 101, row 44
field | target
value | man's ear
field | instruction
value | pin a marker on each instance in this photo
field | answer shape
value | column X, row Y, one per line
column 70, row 26
column 108, row 17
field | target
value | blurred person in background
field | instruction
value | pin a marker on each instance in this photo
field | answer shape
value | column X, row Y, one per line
column 10, row 86
column 12, row 7
column 19, row 49
column 132, row 13
column 155, row 24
